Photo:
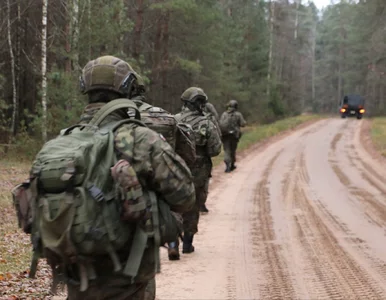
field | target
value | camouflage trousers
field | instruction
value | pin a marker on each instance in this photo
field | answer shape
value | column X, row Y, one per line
column 191, row 218
column 230, row 145
column 114, row 290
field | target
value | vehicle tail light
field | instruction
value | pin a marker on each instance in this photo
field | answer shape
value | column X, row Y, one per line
column 362, row 111
column 342, row 110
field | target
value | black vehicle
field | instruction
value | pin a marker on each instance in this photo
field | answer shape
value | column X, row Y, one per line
column 352, row 106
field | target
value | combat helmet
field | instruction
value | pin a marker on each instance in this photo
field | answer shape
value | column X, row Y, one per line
column 194, row 94
column 233, row 104
column 109, row 73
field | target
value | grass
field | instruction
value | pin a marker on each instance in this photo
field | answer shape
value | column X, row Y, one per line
column 378, row 134
column 255, row 134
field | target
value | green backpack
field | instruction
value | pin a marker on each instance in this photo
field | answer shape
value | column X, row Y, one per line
column 72, row 204
column 180, row 136
column 228, row 124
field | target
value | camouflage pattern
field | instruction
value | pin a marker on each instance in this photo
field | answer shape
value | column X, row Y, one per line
column 230, row 145
column 212, row 113
column 107, row 73
column 118, row 290
column 208, row 144
column 179, row 136
column 191, row 94
column 230, row 141
column 159, row 169
column 210, row 109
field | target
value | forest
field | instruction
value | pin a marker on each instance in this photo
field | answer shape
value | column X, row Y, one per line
column 278, row 58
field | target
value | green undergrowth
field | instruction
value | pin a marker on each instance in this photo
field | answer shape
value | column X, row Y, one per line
column 257, row 133
column 378, row 134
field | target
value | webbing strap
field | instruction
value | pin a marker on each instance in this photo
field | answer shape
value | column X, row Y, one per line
column 112, row 106
column 156, row 225
column 140, row 206
column 136, row 253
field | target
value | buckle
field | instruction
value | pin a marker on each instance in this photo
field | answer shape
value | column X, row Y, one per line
column 96, row 193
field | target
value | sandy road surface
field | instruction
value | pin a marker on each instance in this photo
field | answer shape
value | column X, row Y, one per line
column 303, row 217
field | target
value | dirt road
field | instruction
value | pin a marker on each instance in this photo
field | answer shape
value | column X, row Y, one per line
column 303, row 217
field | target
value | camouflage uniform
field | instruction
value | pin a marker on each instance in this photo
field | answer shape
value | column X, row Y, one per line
column 210, row 109
column 230, row 141
column 212, row 113
column 159, row 169
column 208, row 144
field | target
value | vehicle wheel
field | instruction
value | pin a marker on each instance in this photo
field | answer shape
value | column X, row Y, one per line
column 359, row 117
column 343, row 116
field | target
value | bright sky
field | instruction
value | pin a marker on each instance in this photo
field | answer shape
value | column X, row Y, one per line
column 321, row 3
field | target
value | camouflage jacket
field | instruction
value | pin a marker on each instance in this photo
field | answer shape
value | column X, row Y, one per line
column 179, row 135
column 158, row 169
column 141, row 103
column 208, row 141
column 210, row 109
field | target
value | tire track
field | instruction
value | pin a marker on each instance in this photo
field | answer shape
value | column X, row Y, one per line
column 373, row 208
column 328, row 269
column 341, row 276
column 277, row 283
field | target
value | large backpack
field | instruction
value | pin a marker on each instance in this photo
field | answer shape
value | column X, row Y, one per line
column 228, row 124
column 73, row 205
column 179, row 135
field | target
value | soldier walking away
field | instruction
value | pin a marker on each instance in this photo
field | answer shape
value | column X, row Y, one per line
column 210, row 111
column 101, row 195
column 179, row 135
column 230, row 122
column 208, row 144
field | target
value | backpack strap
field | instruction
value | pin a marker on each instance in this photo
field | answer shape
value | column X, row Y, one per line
column 111, row 107
column 195, row 121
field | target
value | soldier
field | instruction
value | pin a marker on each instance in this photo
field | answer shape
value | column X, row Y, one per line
column 146, row 162
column 179, row 135
column 211, row 111
column 208, row 144
column 230, row 122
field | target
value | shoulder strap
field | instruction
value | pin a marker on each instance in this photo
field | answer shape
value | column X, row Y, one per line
column 145, row 106
column 112, row 106
column 118, row 124
column 195, row 121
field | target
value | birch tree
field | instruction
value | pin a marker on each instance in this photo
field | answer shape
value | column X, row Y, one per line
column 270, row 54
column 14, row 95
column 75, row 34
column 44, row 70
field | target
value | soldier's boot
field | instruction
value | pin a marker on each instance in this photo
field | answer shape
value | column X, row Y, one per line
column 227, row 167
column 233, row 166
column 203, row 208
column 173, row 251
column 187, row 245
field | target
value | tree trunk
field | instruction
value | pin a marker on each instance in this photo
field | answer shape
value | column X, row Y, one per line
column 18, row 60
column 271, row 27
column 75, row 35
column 313, row 63
column 138, row 30
column 89, row 28
column 165, row 59
column 298, row 2
column 14, row 95
column 44, row 70
column 67, row 45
